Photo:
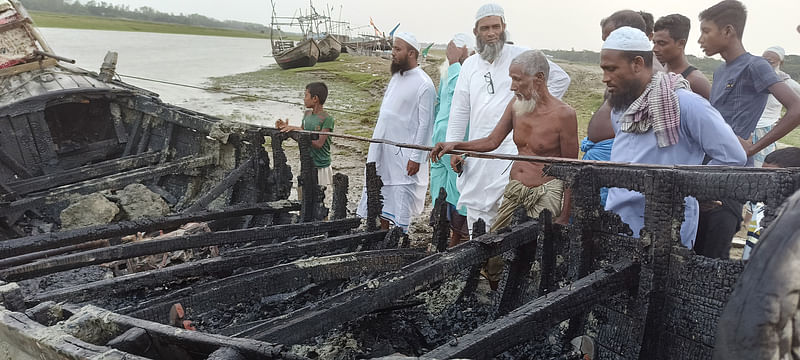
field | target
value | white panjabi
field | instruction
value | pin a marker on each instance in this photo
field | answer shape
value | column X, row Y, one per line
column 627, row 38
column 490, row 10
column 409, row 38
column 778, row 51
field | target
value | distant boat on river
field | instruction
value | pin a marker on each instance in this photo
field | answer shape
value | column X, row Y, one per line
column 289, row 55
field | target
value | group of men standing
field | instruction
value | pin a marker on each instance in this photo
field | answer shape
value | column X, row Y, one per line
column 505, row 99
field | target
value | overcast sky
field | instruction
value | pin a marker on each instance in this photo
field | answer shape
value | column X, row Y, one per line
column 560, row 24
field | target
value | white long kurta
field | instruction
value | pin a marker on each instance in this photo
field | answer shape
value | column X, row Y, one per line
column 406, row 116
column 483, row 181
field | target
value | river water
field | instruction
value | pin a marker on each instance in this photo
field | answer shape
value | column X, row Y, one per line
column 185, row 59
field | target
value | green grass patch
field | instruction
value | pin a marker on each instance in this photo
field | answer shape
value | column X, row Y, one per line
column 47, row 19
column 343, row 69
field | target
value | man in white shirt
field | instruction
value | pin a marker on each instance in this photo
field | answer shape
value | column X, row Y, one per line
column 406, row 116
column 482, row 93
column 772, row 111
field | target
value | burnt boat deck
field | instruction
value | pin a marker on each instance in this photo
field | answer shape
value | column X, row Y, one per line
column 280, row 285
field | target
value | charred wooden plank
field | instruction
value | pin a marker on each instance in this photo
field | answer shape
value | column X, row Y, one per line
column 14, row 165
column 157, row 246
column 258, row 257
column 441, row 226
column 218, row 189
column 134, row 132
column 198, row 343
column 135, row 341
column 27, row 145
column 144, row 142
column 16, row 247
column 227, row 291
column 339, row 202
column 379, row 293
column 17, row 260
column 113, row 181
column 83, row 173
column 537, row 316
column 22, row 336
column 374, row 197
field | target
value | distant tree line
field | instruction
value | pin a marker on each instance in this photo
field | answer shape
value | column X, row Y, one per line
column 791, row 64
column 144, row 13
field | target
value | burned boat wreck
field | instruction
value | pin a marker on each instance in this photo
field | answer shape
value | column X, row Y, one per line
column 291, row 290
column 287, row 284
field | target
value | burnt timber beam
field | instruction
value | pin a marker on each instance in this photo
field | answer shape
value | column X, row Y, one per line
column 381, row 292
column 82, row 173
column 157, row 246
column 374, row 197
column 441, row 225
column 21, row 246
column 14, row 165
column 341, row 183
column 275, row 280
column 537, row 316
column 113, row 325
column 230, row 179
column 20, row 333
column 17, row 260
column 113, row 181
column 312, row 202
column 134, row 132
column 262, row 256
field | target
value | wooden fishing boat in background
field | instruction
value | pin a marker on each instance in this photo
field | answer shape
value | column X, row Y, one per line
column 289, row 56
column 329, row 47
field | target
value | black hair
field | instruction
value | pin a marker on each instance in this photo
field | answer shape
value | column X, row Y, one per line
column 727, row 12
column 625, row 18
column 318, row 89
column 677, row 26
column 785, row 158
column 646, row 55
column 648, row 22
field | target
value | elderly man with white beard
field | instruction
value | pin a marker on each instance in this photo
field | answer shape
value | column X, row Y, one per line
column 482, row 94
column 543, row 125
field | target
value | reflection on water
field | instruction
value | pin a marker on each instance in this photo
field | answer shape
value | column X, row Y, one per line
column 185, row 59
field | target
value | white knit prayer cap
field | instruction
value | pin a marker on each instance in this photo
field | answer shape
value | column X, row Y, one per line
column 490, row 10
column 462, row 39
column 627, row 38
column 777, row 50
column 408, row 38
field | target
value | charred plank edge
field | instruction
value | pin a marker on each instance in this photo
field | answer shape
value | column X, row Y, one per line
column 274, row 280
column 230, row 179
column 263, row 256
column 14, row 165
column 379, row 293
column 536, row 316
column 17, row 260
column 195, row 340
column 157, row 246
column 340, row 185
column 20, row 246
column 117, row 180
column 134, row 132
column 22, row 333
column 82, row 173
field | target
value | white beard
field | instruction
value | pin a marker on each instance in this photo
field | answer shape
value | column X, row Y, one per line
column 522, row 106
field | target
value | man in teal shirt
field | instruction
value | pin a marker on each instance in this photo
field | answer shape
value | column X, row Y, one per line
column 442, row 175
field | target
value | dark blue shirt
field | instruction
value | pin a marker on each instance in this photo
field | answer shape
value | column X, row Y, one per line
column 740, row 90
